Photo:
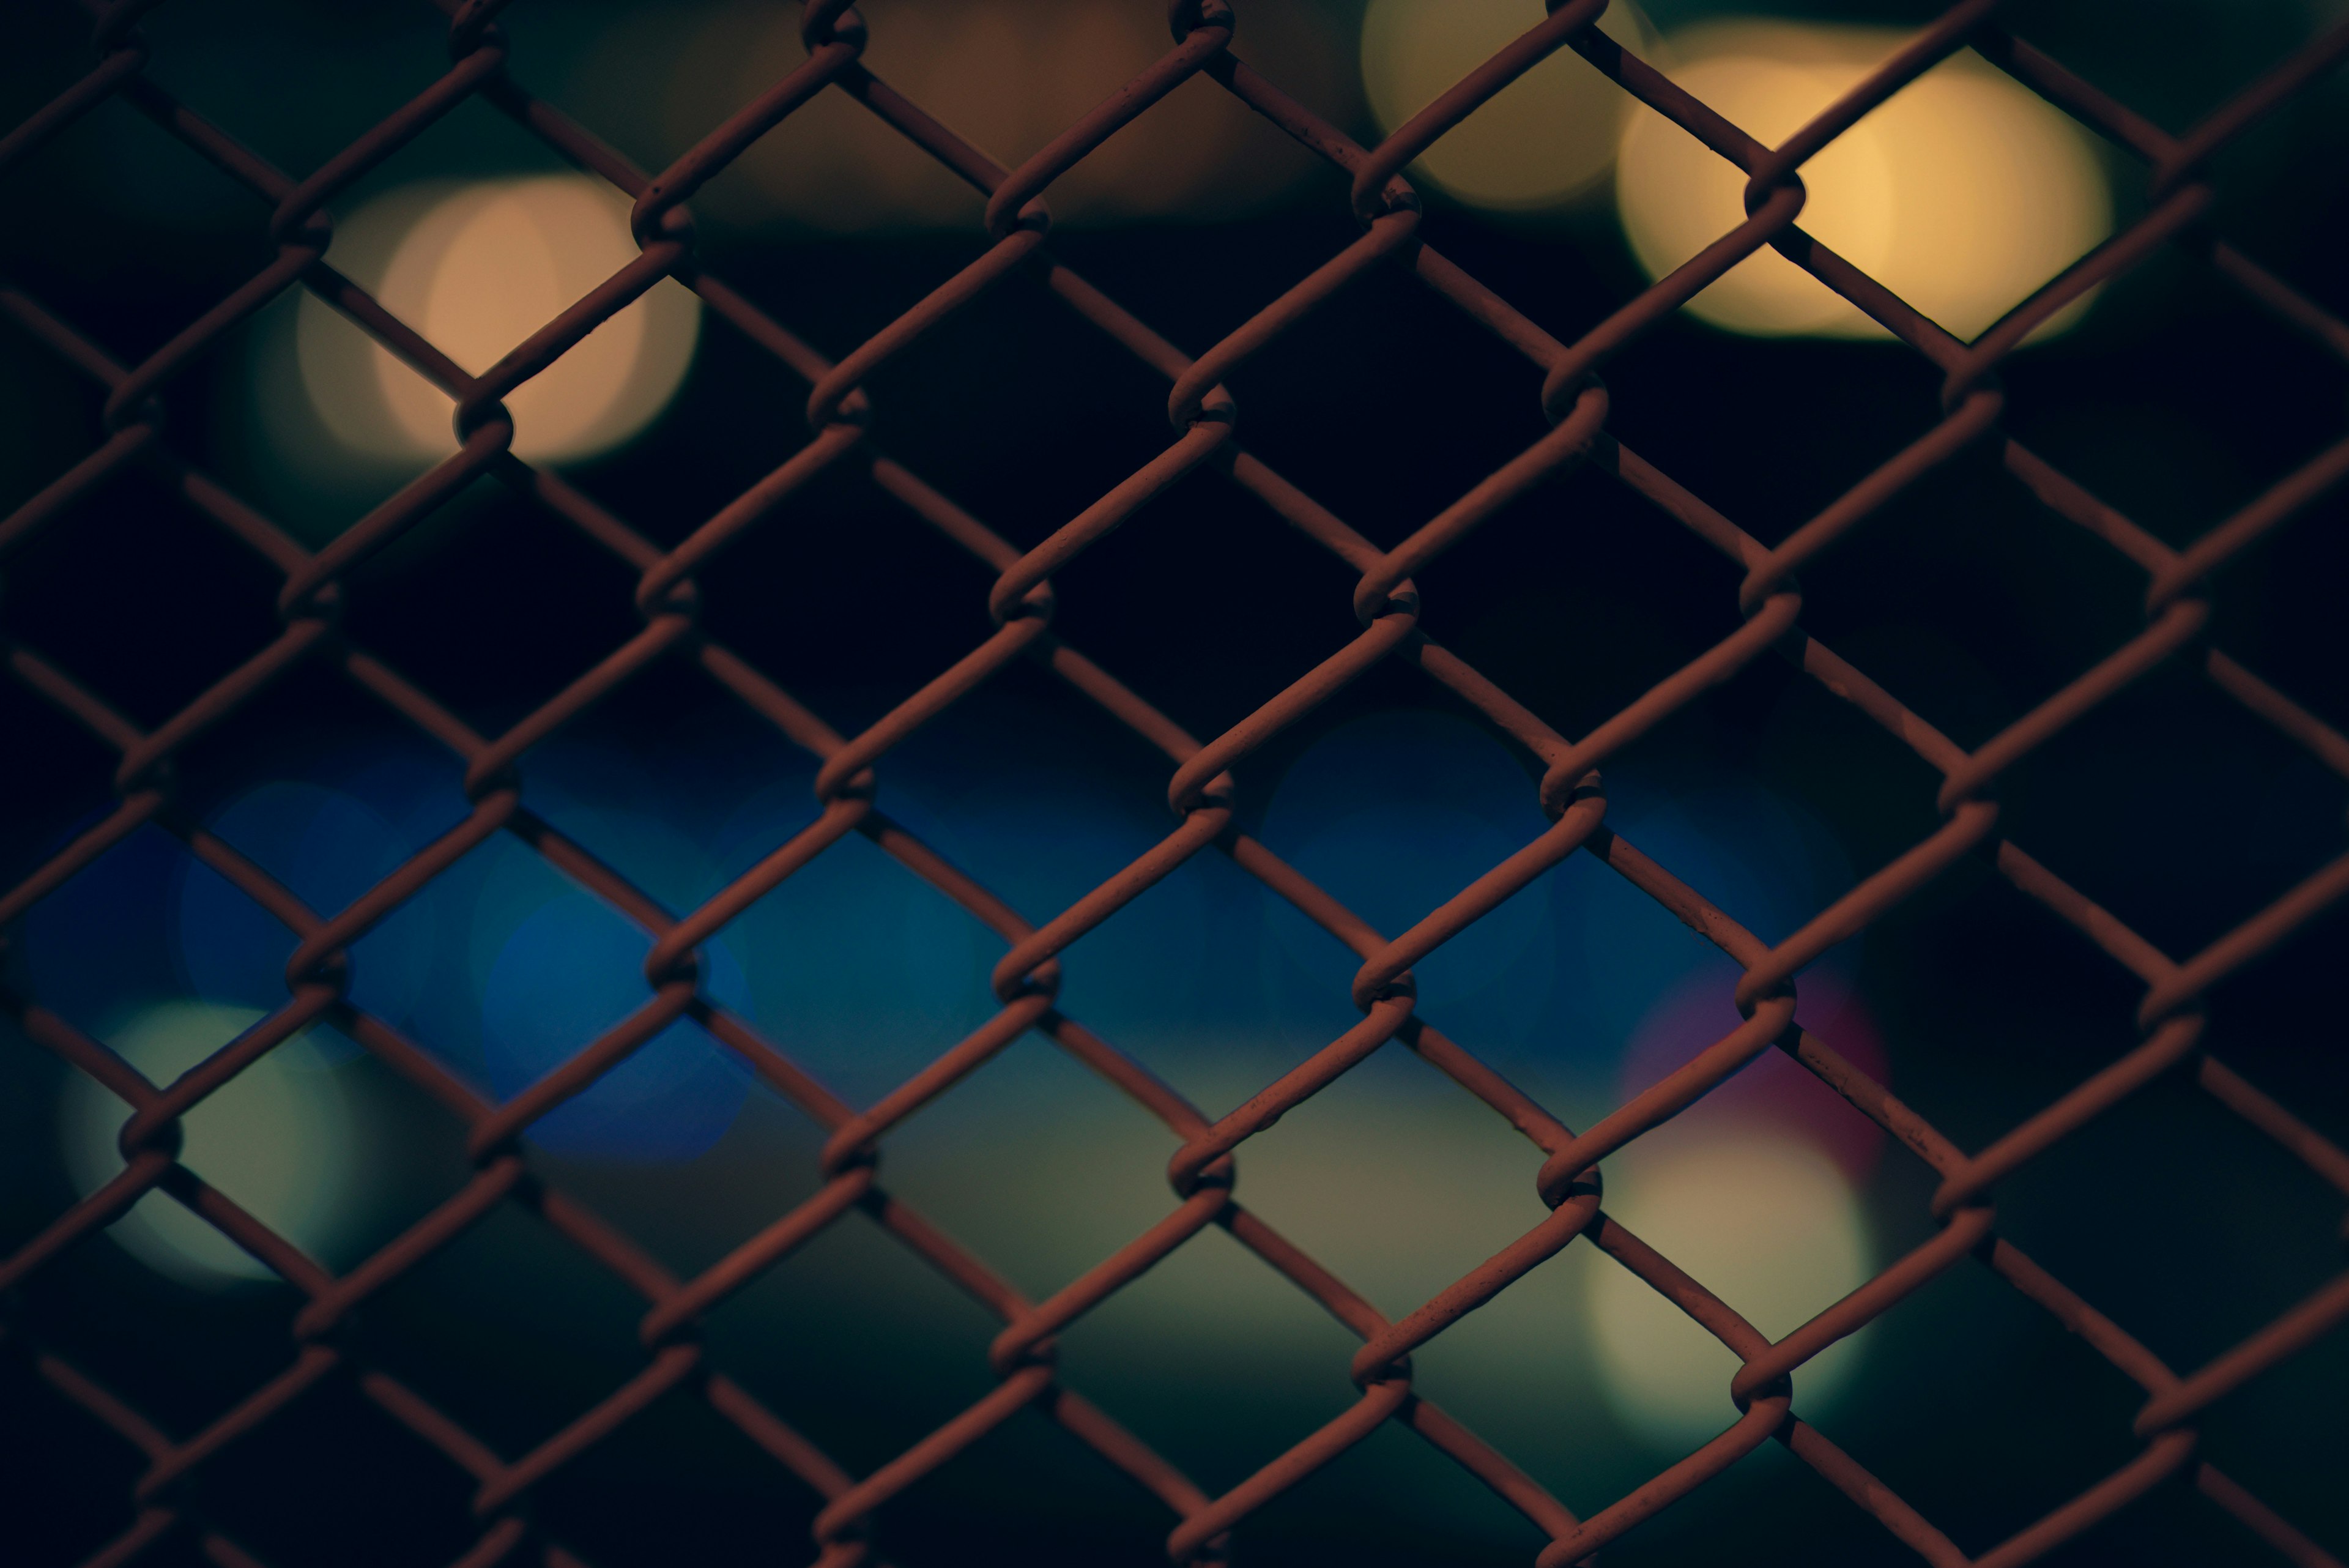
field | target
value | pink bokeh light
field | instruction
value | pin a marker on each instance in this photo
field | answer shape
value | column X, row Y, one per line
column 1773, row 1091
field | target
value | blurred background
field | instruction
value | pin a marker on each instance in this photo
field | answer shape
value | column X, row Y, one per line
column 2165, row 393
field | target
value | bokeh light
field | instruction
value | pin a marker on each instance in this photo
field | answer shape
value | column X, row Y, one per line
column 1765, row 1222
column 863, row 971
column 278, row 1139
column 1043, row 837
column 476, row 269
column 100, row 944
column 1392, row 816
column 328, row 849
column 572, row 970
column 1544, row 139
column 1962, row 193
column 1774, row 1092
column 1761, row 859
column 1007, row 78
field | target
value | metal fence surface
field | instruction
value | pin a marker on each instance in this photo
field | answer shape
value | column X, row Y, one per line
column 1208, row 38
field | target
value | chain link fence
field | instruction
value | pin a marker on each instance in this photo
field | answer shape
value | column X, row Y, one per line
column 165, row 1510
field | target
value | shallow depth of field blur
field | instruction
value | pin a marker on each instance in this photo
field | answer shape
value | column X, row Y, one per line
column 1768, row 396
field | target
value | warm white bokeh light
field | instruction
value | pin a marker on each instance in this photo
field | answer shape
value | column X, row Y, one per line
column 1764, row 1221
column 1543, row 139
column 276, row 1139
column 1961, row 193
column 477, row 269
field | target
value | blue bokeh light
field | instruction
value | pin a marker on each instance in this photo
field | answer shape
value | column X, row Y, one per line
column 862, row 972
column 1393, row 815
column 328, row 849
column 100, row 944
column 1043, row 840
column 572, row 969
column 1762, row 861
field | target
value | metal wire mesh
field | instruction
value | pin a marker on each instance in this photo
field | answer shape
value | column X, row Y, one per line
column 1020, row 599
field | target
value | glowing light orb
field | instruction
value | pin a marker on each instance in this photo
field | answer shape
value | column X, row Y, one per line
column 1759, row 858
column 476, row 270
column 1766, row 1223
column 860, row 969
column 1393, row 814
column 1773, row 1091
column 1006, row 77
column 1961, row 193
column 569, row 973
column 1543, row 139
column 328, row 849
column 277, row 1138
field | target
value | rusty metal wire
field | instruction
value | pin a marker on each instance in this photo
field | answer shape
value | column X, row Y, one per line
column 1019, row 598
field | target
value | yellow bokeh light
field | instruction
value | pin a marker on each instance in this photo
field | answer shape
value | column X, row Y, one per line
column 1545, row 139
column 476, row 270
column 1962, row 193
column 1764, row 1221
column 276, row 1139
